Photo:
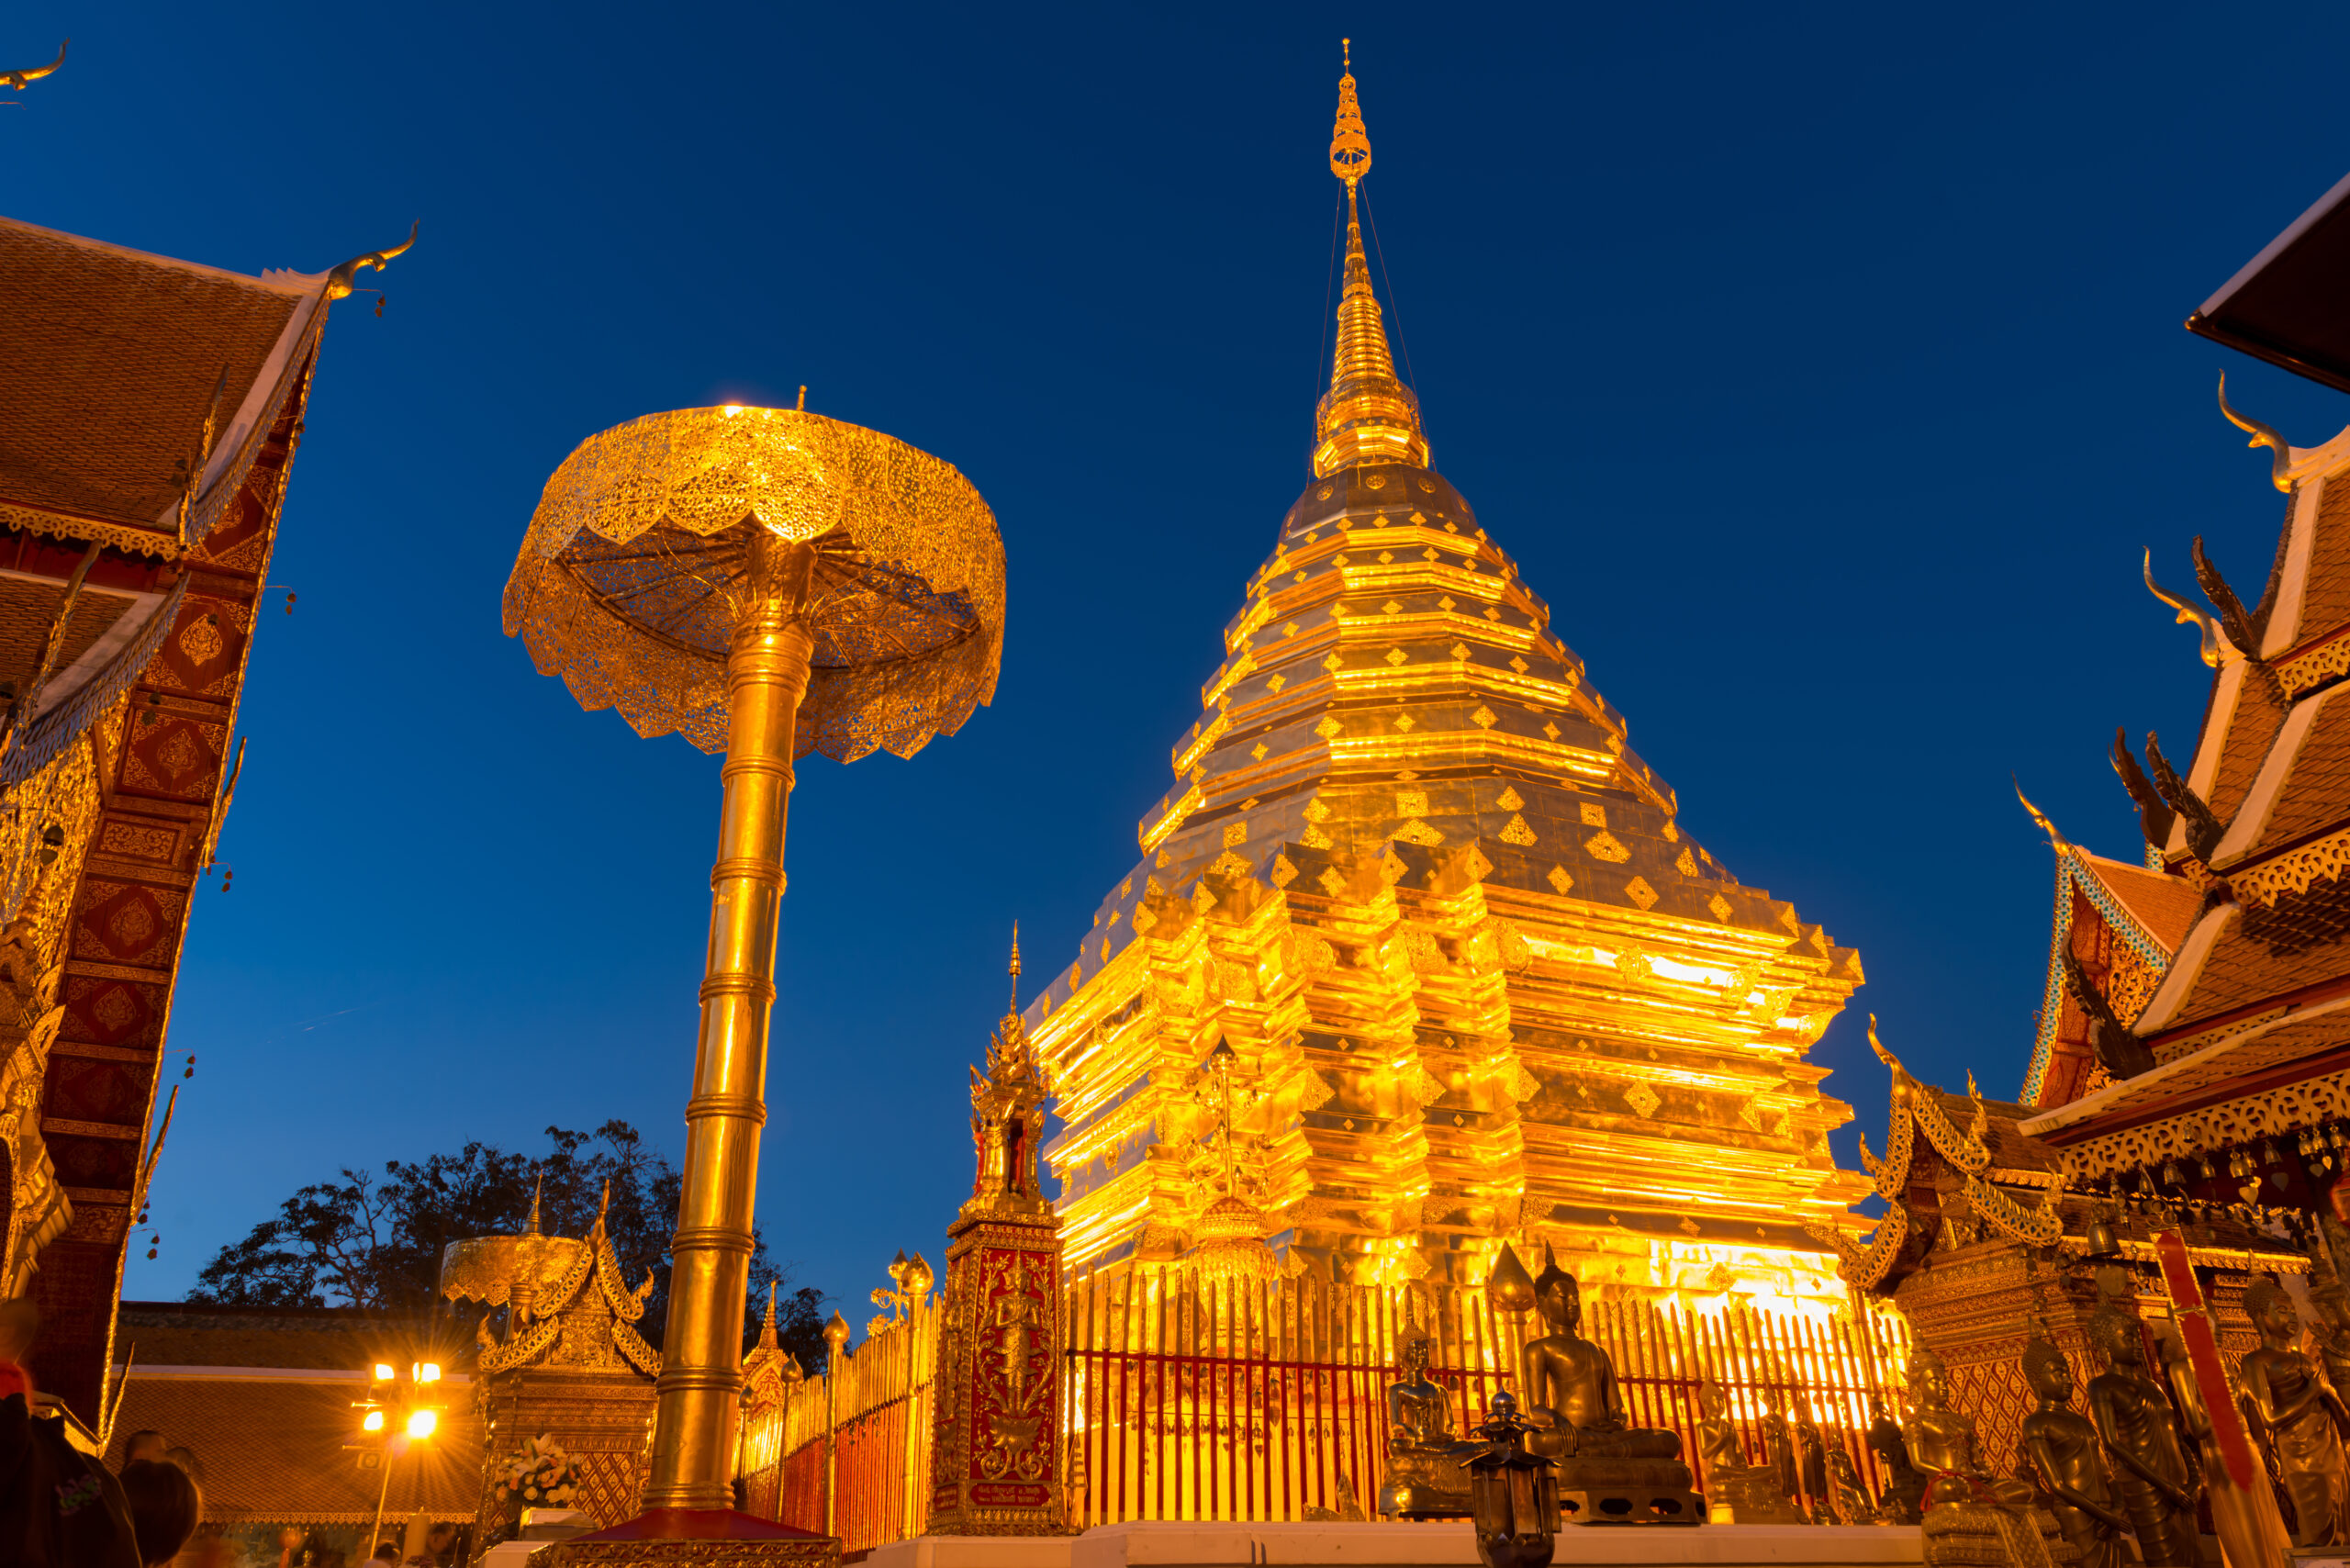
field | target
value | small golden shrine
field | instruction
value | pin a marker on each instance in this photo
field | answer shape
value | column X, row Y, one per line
column 567, row 1361
column 1985, row 1243
column 1474, row 978
column 996, row 1466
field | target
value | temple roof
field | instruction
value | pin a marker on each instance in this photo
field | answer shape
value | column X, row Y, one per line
column 114, row 359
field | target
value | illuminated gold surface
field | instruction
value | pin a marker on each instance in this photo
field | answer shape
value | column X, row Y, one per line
column 801, row 584
column 1369, row 415
column 1410, row 873
column 620, row 585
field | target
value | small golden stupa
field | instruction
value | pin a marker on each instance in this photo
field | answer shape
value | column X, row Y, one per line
column 1477, row 982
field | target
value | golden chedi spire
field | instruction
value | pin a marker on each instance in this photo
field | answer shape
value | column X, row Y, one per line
column 1369, row 415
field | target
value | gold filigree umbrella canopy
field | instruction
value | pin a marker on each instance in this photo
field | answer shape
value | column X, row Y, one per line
column 628, row 582
column 768, row 582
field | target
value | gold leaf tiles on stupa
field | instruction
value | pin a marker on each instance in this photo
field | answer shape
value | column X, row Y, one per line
column 1515, row 831
column 1606, row 845
column 1411, row 802
column 1594, row 813
column 1639, row 892
column 1485, row 718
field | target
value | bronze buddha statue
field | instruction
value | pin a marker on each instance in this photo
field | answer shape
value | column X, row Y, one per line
column 1736, row 1493
column 1904, row 1501
column 2066, row 1453
column 2152, row 1478
column 1970, row 1515
column 2298, row 1419
column 1610, row 1471
column 1427, row 1478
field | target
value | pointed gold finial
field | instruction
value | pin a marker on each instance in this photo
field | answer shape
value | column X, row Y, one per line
column 536, row 1191
column 1349, row 139
column 767, row 1340
column 17, row 79
column 2056, row 840
column 1369, row 415
column 1015, row 966
column 803, row 398
column 338, row 281
column 2280, row 462
column 2217, row 648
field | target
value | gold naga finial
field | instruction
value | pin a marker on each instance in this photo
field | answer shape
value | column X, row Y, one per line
column 1882, row 1054
column 2216, row 649
column 2056, row 840
column 17, row 79
column 2281, row 462
column 339, row 281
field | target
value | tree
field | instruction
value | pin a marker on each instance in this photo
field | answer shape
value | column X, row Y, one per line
column 375, row 1242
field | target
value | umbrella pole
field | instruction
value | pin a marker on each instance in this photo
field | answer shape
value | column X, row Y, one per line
column 702, row 1370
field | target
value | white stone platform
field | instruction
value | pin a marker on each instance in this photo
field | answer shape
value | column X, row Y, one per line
column 1452, row 1544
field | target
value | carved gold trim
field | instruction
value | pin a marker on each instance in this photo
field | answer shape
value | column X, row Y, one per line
column 2296, row 871
column 133, row 541
column 2306, row 671
column 2270, row 1114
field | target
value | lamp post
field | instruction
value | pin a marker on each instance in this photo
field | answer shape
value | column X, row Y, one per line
column 404, row 1403
column 768, row 583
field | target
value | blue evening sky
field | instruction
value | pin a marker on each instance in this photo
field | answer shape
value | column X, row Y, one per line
column 1822, row 366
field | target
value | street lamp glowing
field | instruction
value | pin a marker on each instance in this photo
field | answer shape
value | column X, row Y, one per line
column 382, row 1372
column 373, row 1423
column 430, row 1371
column 421, row 1424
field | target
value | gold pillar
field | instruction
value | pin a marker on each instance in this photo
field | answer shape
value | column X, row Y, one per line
column 701, row 1372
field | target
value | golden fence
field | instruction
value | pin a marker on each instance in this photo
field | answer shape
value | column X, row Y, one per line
column 1194, row 1399
column 1219, row 1399
column 874, row 1404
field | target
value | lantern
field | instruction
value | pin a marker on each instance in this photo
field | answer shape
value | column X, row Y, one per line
column 1513, row 1495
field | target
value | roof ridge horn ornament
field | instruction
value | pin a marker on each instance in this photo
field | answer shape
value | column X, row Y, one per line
column 2056, row 840
column 17, row 79
column 340, row 280
column 2280, row 464
column 2217, row 649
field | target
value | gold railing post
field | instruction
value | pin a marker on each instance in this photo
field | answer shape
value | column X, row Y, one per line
column 766, row 674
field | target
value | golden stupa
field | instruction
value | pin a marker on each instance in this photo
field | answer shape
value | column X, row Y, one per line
column 1477, row 983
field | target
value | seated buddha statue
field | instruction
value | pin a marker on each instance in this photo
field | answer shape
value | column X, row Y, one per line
column 1737, row 1493
column 1577, row 1412
column 1970, row 1515
column 1571, row 1393
column 1426, row 1477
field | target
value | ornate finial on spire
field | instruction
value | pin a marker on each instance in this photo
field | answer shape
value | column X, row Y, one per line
column 1369, row 415
column 1015, row 968
column 1349, row 139
column 604, row 1206
column 767, row 1340
column 536, row 1191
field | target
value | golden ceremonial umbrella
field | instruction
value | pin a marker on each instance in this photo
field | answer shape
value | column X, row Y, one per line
column 769, row 582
